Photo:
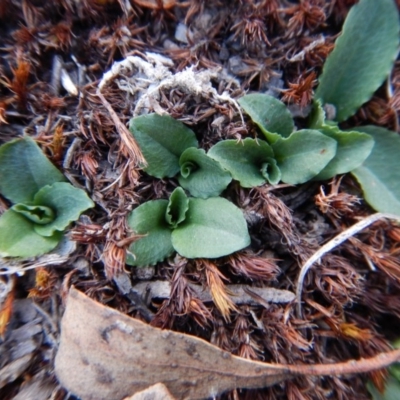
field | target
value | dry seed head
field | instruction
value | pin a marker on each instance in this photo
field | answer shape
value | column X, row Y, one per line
column 306, row 15
column 335, row 203
column 301, row 93
column 253, row 267
column 218, row 290
column 352, row 331
column 45, row 281
column 114, row 259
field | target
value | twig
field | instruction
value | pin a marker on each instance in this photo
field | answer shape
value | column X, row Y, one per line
column 380, row 361
column 239, row 294
column 336, row 241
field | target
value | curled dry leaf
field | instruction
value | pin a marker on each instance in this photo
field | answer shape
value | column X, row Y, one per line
column 105, row 354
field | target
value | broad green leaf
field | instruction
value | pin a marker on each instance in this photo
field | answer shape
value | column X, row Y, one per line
column 67, row 202
column 392, row 390
column 177, row 207
column 24, row 169
column 213, row 228
column 352, row 149
column 379, row 175
column 162, row 140
column 201, row 175
column 19, row 239
column 363, row 57
column 149, row 220
column 248, row 161
column 303, row 155
column 37, row 214
column 270, row 114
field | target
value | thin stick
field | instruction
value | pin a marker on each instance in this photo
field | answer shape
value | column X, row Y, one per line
column 336, row 241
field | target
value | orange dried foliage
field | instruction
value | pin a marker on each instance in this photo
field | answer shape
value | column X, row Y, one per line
column 301, row 93
column 389, row 263
column 88, row 164
column 51, row 102
column 61, row 36
column 379, row 379
column 114, row 259
column 24, row 36
column 253, row 267
column 317, row 56
column 6, row 312
column 58, row 142
column 394, row 233
column 218, row 290
column 199, row 312
column 18, row 85
column 45, row 282
column 335, row 203
column 251, row 29
column 306, row 15
column 352, row 331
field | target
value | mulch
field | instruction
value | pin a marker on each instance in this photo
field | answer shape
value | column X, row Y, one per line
column 53, row 57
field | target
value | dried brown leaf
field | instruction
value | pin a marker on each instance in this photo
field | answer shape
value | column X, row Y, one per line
column 105, row 354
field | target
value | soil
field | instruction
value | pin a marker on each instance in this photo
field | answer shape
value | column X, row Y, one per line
column 53, row 58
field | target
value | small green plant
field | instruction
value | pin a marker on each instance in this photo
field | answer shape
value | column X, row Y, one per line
column 207, row 228
column 170, row 148
column 362, row 59
column 204, row 225
column 44, row 204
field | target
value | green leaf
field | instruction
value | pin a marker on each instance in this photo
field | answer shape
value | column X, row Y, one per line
column 395, row 369
column 149, row 219
column 352, row 150
column 270, row 171
column 37, row 214
column 177, row 206
column 303, row 155
column 162, row 140
column 270, row 114
column 24, row 169
column 201, row 175
column 19, row 239
column 248, row 161
column 213, row 228
column 392, row 390
column 379, row 175
column 67, row 202
column 362, row 58
column 317, row 116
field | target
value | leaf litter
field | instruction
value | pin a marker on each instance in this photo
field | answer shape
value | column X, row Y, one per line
column 93, row 337
column 349, row 301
